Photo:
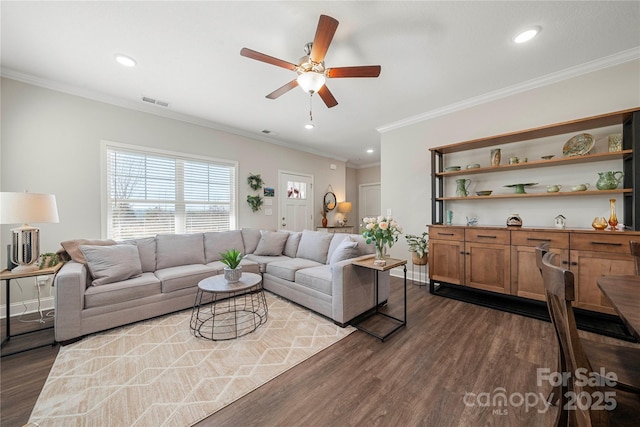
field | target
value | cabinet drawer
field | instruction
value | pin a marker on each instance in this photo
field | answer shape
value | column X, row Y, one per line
column 603, row 241
column 487, row 235
column 446, row 233
column 559, row 240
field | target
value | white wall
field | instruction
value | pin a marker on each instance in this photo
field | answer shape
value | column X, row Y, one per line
column 51, row 144
column 406, row 164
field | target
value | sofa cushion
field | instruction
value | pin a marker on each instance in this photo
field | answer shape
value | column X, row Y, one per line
column 250, row 237
column 314, row 246
column 346, row 249
column 286, row 270
column 113, row 263
column 291, row 247
column 145, row 285
column 271, row 243
column 316, row 278
column 179, row 249
column 72, row 247
column 183, row 276
column 221, row 241
column 147, row 251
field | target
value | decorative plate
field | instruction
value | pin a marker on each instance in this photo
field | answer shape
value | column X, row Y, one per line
column 579, row 145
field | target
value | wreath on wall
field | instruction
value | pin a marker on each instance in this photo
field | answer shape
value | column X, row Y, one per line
column 255, row 181
column 255, row 202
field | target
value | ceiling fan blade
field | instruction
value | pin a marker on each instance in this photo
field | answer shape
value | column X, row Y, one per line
column 249, row 53
column 327, row 96
column 363, row 71
column 327, row 27
column 282, row 90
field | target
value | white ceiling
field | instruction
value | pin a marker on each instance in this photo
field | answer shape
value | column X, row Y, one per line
column 434, row 56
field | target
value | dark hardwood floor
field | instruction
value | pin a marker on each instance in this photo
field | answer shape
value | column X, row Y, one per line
column 450, row 353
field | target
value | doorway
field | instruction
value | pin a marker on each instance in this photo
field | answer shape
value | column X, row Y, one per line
column 369, row 201
column 295, row 211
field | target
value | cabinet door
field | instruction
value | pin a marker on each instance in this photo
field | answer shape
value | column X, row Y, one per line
column 587, row 266
column 488, row 267
column 446, row 261
column 526, row 280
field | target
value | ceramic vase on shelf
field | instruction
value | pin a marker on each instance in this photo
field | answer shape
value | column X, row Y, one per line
column 324, row 221
column 613, row 219
column 495, row 157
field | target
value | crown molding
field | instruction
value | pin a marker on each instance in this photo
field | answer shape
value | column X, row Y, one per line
column 158, row 111
column 568, row 73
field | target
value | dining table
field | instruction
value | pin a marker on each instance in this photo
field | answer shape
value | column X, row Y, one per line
column 624, row 294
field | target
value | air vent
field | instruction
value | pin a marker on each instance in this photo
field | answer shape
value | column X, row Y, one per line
column 155, row 101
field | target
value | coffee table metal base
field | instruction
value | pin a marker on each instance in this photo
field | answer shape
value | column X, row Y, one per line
column 227, row 311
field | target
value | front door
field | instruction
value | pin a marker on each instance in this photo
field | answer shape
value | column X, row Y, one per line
column 296, row 201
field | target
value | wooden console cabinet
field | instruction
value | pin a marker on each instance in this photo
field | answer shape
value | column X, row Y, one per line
column 503, row 260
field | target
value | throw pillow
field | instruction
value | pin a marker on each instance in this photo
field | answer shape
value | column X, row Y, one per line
column 114, row 263
column 291, row 247
column 271, row 243
column 72, row 247
column 346, row 250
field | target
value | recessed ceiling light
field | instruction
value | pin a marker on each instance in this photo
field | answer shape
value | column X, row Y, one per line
column 370, row 150
column 526, row 35
column 125, row 60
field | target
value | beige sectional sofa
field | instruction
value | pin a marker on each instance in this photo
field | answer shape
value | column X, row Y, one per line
column 108, row 284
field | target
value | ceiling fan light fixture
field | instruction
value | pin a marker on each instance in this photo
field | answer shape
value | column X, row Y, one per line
column 311, row 81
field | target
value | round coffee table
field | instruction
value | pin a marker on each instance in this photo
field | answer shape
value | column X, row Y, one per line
column 225, row 311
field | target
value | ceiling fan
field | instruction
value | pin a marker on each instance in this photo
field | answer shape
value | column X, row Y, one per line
column 311, row 70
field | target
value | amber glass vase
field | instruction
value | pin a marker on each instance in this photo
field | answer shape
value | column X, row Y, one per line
column 613, row 220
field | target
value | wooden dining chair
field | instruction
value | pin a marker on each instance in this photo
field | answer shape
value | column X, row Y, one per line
column 560, row 291
column 635, row 251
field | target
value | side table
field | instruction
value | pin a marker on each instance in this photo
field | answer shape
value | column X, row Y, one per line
column 7, row 276
column 390, row 263
column 235, row 309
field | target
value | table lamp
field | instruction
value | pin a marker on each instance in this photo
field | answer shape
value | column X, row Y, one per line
column 25, row 208
column 344, row 208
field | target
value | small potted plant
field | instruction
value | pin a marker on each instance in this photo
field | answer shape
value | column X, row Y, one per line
column 419, row 246
column 232, row 271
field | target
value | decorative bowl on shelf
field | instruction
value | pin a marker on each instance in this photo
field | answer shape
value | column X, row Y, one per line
column 484, row 193
column 473, row 166
column 579, row 145
column 452, row 168
column 548, row 157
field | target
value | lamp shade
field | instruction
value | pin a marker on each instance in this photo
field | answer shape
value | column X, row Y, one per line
column 311, row 81
column 344, row 207
column 25, row 208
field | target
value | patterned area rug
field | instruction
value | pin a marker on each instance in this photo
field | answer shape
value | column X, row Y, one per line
column 156, row 373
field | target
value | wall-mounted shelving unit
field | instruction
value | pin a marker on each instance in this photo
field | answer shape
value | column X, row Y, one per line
column 630, row 121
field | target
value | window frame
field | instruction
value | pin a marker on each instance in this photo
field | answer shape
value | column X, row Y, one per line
column 105, row 145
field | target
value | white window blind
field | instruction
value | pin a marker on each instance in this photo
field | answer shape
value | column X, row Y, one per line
column 151, row 192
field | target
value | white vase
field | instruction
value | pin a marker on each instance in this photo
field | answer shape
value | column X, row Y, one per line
column 232, row 275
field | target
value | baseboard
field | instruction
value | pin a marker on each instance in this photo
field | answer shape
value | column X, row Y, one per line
column 28, row 306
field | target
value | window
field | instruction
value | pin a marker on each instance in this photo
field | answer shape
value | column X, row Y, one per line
column 149, row 192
